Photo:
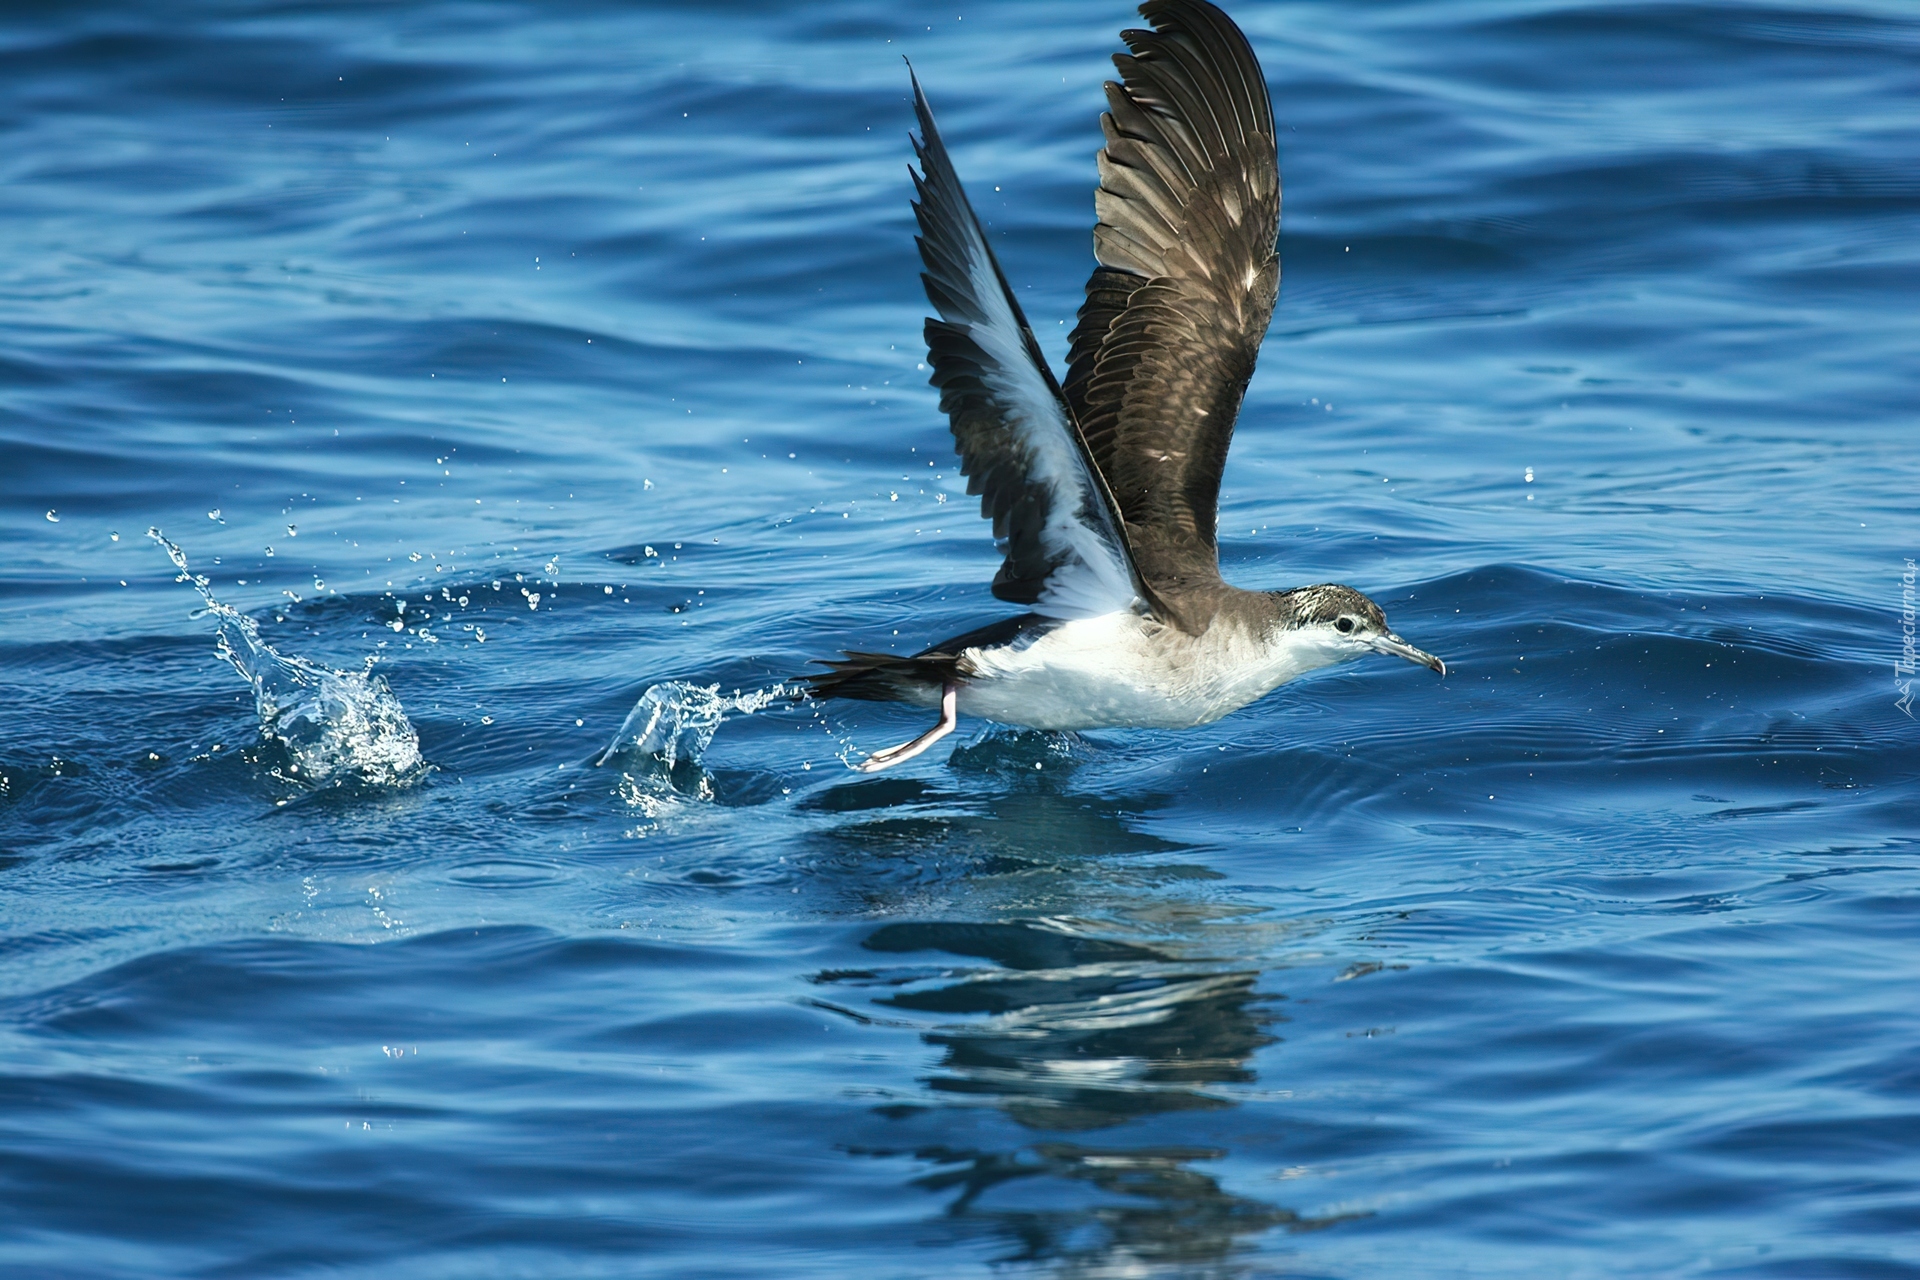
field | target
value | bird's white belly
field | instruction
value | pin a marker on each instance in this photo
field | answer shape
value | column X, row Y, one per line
column 1119, row 670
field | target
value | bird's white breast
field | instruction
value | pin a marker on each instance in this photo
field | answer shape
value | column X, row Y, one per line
column 1123, row 670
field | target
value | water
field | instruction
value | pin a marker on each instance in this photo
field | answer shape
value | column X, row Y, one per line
column 544, row 355
column 325, row 727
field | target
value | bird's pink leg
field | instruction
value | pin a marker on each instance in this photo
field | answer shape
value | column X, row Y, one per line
column 949, row 717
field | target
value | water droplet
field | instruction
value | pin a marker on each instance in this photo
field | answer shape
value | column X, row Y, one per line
column 334, row 725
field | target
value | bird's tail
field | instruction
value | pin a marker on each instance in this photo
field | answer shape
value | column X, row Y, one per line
column 882, row 677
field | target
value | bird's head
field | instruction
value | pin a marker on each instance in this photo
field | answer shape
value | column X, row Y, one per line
column 1341, row 623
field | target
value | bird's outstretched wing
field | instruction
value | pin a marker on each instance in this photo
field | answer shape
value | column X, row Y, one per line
column 1066, row 553
column 1189, row 210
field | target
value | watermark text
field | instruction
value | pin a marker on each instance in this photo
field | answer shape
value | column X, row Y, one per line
column 1903, row 666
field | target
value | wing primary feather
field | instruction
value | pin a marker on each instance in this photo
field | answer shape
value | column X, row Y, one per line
column 1188, row 214
column 932, row 154
column 1054, row 515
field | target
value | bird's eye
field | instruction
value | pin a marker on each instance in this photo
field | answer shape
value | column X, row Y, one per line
column 1344, row 625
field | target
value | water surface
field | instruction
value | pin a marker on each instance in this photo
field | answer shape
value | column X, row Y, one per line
column 543, row 354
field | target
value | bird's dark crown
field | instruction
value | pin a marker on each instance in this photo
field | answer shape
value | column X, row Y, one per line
column 1326, row 603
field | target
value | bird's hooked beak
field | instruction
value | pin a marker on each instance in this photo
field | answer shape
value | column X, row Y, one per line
column 1393, row 644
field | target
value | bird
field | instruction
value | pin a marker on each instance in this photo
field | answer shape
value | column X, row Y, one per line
column 1103, row 489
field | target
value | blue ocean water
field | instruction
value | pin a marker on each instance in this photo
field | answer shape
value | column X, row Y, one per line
column 496, row 363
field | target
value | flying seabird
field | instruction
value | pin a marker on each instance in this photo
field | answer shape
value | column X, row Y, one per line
column 1104, row 490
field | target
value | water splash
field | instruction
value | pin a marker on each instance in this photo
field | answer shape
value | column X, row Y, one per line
column 674, row 722
column 335, row 726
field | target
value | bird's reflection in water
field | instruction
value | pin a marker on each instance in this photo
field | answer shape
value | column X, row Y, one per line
column 1142, row 1211
column 1106, row 994
column 1081, row 1032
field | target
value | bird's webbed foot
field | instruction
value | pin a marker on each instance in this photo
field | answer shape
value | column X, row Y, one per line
column 949, row 717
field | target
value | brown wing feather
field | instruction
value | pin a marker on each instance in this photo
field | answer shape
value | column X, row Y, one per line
column 1189, row 206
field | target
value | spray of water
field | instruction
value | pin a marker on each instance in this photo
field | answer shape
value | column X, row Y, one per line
column 335, row 726
column 675, row 722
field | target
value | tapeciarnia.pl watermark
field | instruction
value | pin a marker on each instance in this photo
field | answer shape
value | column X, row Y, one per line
column 1903, row 666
